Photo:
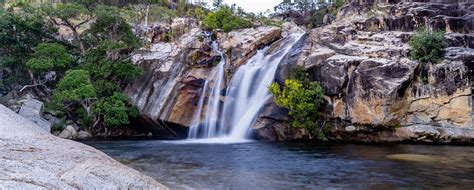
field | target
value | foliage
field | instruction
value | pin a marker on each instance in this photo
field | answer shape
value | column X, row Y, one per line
column 21, row 29
column 90, row 91
column 298, row 73
column 427, row 46
column 313, row 11
column 70, row 15
column 302, row 101
column 66, row 12
column 115, row 111
column 75, row 86
column 225, row 18
column 301, row 97
column 109, row 67
column 48, row 57
column 110, row 25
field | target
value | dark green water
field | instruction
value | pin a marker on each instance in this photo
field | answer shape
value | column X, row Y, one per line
column 258, row 165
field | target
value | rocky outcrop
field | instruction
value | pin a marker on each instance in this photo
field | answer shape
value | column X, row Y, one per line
column 34, row 159
column 272, row 125
column 242, row 44
column 32, row 110
column 374, row 92
column 168, row 93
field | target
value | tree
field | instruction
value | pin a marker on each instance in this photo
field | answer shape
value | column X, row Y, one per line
column 110, row 67
column 427, row 46
column 70, row 15
column 21, row 29
column 110, row 25
column 114, row 110
column 302, row 98
column 76, row 87
column 225, row 19
column 47, row 59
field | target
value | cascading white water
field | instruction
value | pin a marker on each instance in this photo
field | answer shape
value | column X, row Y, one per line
column 245, row 96
column 210, row 127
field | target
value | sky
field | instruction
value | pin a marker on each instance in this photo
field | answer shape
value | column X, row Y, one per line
column 255, row 6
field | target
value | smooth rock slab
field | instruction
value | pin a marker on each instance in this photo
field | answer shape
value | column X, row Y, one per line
column 31, row 158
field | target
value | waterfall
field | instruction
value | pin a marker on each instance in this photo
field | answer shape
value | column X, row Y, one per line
column 209, row 128
column 246, row 94
column 146, row 15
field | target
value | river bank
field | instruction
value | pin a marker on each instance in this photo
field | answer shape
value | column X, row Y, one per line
column 31, row 158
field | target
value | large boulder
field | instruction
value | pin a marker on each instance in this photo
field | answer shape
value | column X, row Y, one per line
column 35, row 159
column 32, row 110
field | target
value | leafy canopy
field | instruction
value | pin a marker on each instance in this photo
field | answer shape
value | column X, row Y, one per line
column 21, row 29
column 301, row 97
column 224, row 18
column 111, row 26
column 68, row 12
column 115, row 110
column 48, row 57
column 110, row 69
column 427, row 46
column 75, row 86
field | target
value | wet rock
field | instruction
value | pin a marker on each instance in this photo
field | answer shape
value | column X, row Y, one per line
column 35, row 159
column 271, row 125
column 243, row 44
column 82, row 135
column 168, row 93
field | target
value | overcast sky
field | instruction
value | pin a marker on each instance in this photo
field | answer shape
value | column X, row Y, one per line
column 255, row 6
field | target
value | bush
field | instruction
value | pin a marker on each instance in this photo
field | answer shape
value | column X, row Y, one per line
column 427, row 46
column 115, row 110
column 225, row 19
column 48, row 57
column 302, row 99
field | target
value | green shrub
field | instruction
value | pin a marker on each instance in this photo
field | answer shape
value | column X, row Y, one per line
column 48, row 57
column 302, row 99
column 115, row 110
column 224, row 18
column 427, row 46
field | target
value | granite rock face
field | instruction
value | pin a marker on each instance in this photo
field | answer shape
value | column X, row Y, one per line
column 374, row 92
column 35, row 159
column 175, row 71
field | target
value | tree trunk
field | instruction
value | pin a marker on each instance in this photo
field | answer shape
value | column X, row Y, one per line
column 79, row 40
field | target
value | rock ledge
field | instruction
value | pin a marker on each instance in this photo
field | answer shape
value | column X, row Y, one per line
column 34, row 159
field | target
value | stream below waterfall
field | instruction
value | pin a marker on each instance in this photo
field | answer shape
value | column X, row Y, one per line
column 259, row 165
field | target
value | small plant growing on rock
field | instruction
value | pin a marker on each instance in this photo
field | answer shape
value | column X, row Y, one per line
column 427, row 46
column 302, row 98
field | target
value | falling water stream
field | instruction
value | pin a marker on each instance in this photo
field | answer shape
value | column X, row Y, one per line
column 246, row 94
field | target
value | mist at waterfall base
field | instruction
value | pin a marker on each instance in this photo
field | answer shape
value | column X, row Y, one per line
column 245, row 96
